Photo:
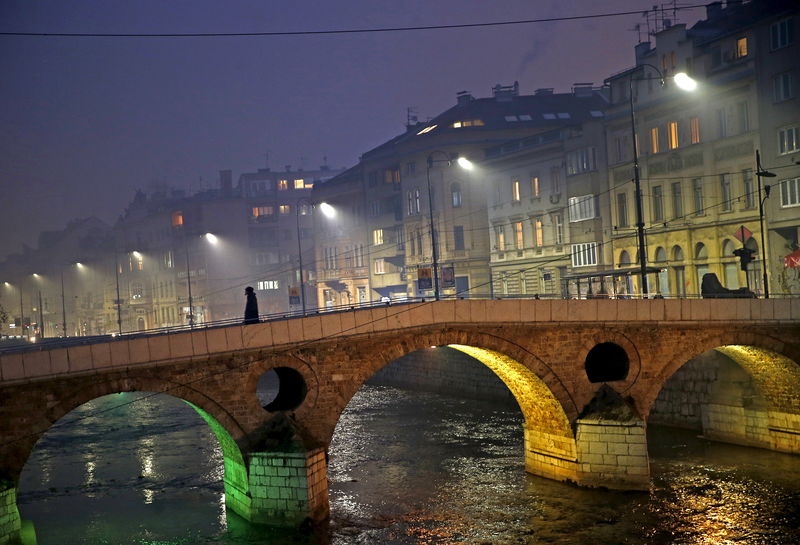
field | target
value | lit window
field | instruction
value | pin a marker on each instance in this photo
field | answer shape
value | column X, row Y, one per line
column 788, row 140
column 790, row 192
column 694, row 124
column 299, row 184
column 379, row 266
column 177, row 219
column 515, row 196
column 283, row 185
column 672, row 134
column 262, row 211
column 377, row 236
column 519, row 236
column 654, row 140
column 427, row 129
column 741, row 48
column 457, row 125
column 538, row 233
column 535, row 186
column 267, row 285
column 500, row 237
column 284, row 209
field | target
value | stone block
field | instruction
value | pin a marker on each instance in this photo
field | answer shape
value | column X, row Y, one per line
column 139, row 350
column 199, row 343
column 642, row 309
column 582, row 310
column 312, row 328
column 618, row 448
column 330, row 324
column 363, row 321
column 12, row 367
column 216, row 340
column 120, row 352
column 606, row 310
column 420, row 314
column 37, row 363
column 657, row 309
column 280, row 332
column 180, row 345
column 75, row 358
column 158, row 346
column 672, row 310
column 101, row 354
column 559, row 310
column 444, row 312
column 233, row 337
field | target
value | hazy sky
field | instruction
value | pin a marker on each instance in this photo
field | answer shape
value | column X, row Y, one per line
column 85, row 121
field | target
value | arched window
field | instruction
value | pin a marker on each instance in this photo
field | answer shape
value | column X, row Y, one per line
column 677, row 253
column 624, row 258
column 700, row 251
column 727, row 248
column 661, row 255
column 455, row 192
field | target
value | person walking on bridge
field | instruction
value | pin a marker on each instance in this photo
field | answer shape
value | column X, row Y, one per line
column 251, row 307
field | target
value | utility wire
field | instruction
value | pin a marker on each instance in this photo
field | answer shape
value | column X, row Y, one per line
column 334, row 31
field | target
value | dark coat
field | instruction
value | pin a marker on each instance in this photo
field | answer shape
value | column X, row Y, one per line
column 251, row 309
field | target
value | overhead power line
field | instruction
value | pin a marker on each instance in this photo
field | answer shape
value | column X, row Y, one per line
column 333, row 31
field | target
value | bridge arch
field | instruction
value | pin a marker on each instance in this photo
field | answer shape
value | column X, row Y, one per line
column 749, row 393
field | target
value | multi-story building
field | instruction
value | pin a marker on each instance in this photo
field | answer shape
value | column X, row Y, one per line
column 699, row 195
column 341, row 241
column 280, row 237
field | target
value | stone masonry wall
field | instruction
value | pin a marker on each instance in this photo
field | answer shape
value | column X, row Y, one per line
column 444, row 371
column 9, row 515
column 612, row 454
column 680, row 402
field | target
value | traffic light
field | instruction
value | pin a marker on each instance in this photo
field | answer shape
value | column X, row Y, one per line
column 745, row 256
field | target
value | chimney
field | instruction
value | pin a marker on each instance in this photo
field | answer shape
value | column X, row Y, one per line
column 505, row 93
column 463, row 98
column 713, row 10
column 582, row 90
column 226, row 180
column 641, row 49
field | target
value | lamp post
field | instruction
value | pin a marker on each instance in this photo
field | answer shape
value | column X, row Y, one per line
column 683, row 81
column 118, row 300
column 464, row 163
column 761, row 173
column 21, row 316
column 306, row 205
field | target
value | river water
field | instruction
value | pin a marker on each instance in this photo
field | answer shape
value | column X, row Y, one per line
column 405, row 468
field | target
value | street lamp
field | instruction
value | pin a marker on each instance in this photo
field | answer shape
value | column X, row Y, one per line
column 307, row 206
column 21, row 315
column 464, row 163
column 686, row 83
column 761, row 173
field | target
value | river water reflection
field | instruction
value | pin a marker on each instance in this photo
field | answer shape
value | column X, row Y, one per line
column 405, row 468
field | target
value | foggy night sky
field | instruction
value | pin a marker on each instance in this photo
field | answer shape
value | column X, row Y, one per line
column 84, row 122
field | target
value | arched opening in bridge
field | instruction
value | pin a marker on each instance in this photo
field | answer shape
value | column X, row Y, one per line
column 735, row 394
column 125, row 467
column 281, row 389
column 440, row 426
column 607, row 362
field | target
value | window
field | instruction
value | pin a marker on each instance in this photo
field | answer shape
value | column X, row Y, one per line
column 581, row 208
column 379, row 266
column 455, row 195
column 409, row 203
column 558, row 223
column 358, row 255
column 283, row 185
column 500, row 237
column 411, row 169
column 375, row 207
column 694, row 124
column 677, row 200
column 535, row 186
column 515, row 196
column 582, row 160
column 519, row 236
column 790, row 192
column 782, row 85
column 168, row 260
column 697, row 191
column 391, row 175
column 722, row 123
column 329, row 254
column 725, row 192
column 262, row 211
column 788, row 140
column 284, row 209
column 416, row 201
column 538, row 235
column 458, row 237
column 741, row 48
column 658, row 204
column 584, row 255
column 672, row 134
column 749, row 189
column 654, row 140
column 377, row 236
column 555, row 178
column 622, row 210
column 177, row 219
column 780, row 34
column 742, row 121
column 267, row 285
column 137, row 290
column 299, row 184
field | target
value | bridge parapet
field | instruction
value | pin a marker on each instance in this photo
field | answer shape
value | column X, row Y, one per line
column 201, row 344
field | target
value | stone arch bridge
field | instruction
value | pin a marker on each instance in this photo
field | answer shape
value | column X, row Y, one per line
column 585, row 373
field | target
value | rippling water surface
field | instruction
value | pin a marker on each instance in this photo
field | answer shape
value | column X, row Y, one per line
column 405, row 468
